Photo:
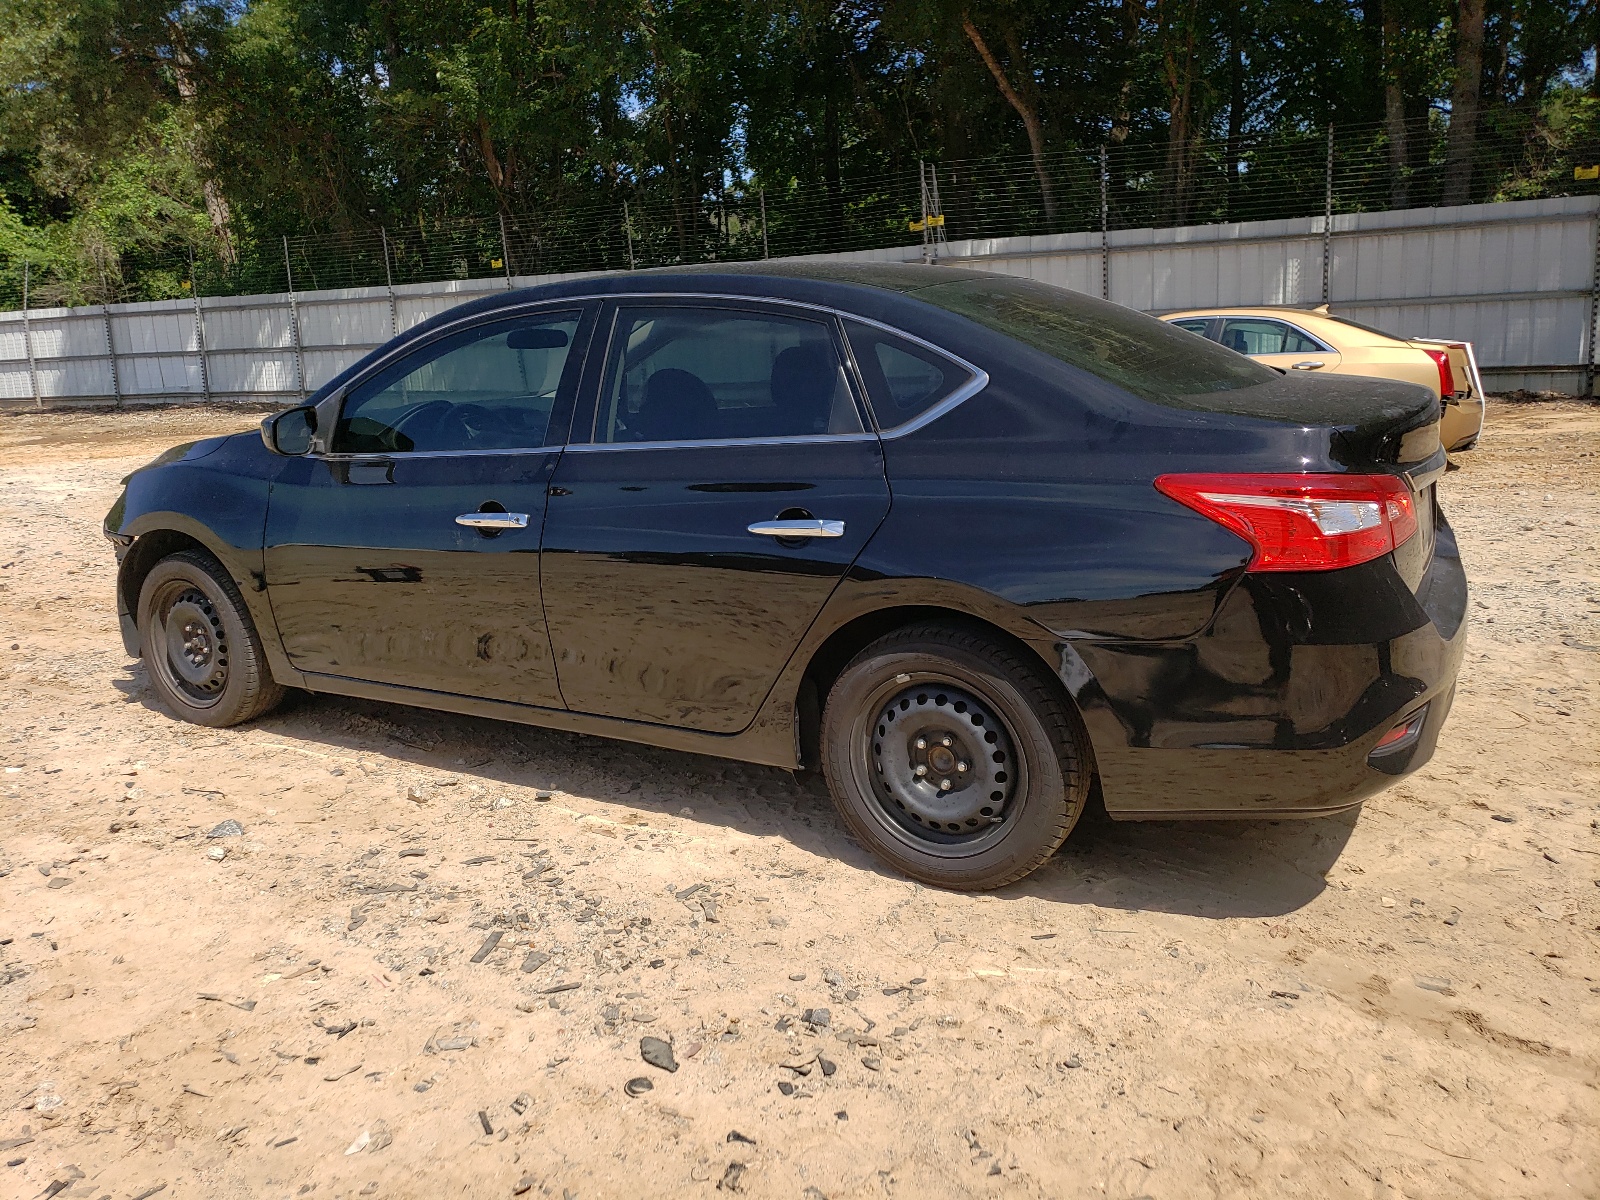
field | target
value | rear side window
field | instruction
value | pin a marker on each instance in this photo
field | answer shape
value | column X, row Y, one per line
column 1141, row 354
column 904, row 380
column 711, row 374
column 1199, row 325
column 1256, row 335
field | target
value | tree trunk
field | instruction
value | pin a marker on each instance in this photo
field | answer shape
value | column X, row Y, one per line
column 1026, row 110
column 1122, row 109
column 217, row 208
column 1178, row 67
column 1235, row 108
column 1394, row 111
column 1463, row 139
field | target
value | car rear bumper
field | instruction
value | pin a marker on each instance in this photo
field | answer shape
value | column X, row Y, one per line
column 1277, row 709
column 1461, row 424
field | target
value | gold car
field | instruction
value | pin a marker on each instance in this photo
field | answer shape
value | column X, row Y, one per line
column 1303, row 339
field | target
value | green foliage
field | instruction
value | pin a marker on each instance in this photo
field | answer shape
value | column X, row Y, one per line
column 136, row 134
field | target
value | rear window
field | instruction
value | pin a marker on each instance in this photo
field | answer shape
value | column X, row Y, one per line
column 1147, row 357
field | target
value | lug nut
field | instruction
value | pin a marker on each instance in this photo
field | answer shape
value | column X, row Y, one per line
column 922, row 743
column 944, row 785
column 963, row 767
column 946, row 742
column 922, row 770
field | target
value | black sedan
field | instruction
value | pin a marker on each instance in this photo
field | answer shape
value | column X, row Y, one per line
column 967, row 545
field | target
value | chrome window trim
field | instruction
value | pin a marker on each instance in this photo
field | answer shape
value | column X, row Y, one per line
column 805, row 439
column 357, row 456
column 978, row 381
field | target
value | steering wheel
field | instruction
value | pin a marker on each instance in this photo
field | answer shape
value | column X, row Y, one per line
column 439, row 418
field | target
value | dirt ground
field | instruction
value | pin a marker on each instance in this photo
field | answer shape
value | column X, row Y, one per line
column 426, row 966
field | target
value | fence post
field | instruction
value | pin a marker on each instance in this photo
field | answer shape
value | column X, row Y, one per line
column 111, row 346
column 1589, row 369
column 505, row 250
column 1105, row 225
column 27, row 338
column 766, row 252
column 199, row 329
column 388, row 280
column 627, row 228
column 1327, row 222
column 294, row 323
column 922, row 184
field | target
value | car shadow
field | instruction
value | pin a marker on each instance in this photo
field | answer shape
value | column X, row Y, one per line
column 1196, row 868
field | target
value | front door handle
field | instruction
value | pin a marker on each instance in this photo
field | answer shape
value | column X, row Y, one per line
column 1309, row 365
column 493, row 520
column 810, row 527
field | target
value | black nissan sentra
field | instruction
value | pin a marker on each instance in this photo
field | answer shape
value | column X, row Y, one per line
column 964, row 544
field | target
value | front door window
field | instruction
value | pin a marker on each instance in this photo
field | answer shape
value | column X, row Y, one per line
column 492, row 387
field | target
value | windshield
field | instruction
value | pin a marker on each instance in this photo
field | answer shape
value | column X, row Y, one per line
column 1147, row 357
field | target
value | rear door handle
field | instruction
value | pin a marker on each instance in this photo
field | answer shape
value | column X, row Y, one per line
column 807, row 528
column 493, row 520
column 1311, row 365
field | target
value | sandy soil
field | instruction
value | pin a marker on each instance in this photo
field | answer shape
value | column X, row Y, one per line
column 426, row 966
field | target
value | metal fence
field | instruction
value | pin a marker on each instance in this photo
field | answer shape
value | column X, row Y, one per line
column 1518, row 279
column 1334, row 171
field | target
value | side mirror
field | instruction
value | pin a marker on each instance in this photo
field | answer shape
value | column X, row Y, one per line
column 291, row 432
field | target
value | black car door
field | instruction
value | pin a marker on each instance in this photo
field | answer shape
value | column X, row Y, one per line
column 409, row 552
column 715, row 491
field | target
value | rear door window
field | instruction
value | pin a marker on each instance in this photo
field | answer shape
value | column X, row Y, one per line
column 1258, row 335
column 1199, row 325
column 690, row 374
column 904, row 380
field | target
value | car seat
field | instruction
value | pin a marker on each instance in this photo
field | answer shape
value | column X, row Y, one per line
column 677, row 406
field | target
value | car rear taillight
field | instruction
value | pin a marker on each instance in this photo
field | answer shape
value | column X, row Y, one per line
column 1447, row 377
column 1303, row 522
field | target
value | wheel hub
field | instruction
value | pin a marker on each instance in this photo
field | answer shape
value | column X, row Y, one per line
column 943, row 761
column 197, row 650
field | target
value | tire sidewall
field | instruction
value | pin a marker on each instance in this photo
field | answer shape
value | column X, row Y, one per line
column 1038, row 815
column 236, row 695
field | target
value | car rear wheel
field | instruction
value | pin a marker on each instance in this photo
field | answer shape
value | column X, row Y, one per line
column 953, row 758
column 200, row 646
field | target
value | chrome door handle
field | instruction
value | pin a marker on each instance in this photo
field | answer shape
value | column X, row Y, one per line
column 493, row 520
column 1310, row 365
column 808, row 528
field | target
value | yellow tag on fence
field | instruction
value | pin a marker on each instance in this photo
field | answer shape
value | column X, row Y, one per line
column 936, row 222
column 1586, row 172
column 917, row 226
column 496, row 263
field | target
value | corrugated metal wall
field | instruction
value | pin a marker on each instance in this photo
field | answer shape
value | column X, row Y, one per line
column 1517, row 279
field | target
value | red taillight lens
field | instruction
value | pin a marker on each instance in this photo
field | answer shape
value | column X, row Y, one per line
column 1447, row 377
column 1303, row 522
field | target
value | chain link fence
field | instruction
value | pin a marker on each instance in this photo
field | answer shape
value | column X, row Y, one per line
column 1132, row 186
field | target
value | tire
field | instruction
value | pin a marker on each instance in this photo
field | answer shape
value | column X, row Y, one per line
column 1018, row 760
column 200, row 647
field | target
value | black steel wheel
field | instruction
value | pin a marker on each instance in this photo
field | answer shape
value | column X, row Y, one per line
column 953, row 757
column 200, row 646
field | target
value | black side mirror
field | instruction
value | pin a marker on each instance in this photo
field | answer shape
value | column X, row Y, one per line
column 290, row 432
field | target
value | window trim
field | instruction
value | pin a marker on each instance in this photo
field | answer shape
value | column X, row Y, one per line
column 979, row 380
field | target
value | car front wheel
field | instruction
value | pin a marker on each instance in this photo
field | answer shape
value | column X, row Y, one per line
column 200, row 646
column 953, row 757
